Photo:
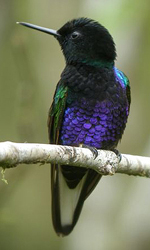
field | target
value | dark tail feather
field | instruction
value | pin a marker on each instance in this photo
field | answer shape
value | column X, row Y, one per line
column 67, row 203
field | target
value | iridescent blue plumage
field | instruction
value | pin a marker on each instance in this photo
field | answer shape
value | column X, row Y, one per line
column 96, row 123
column 93, row 125
column 121, row 77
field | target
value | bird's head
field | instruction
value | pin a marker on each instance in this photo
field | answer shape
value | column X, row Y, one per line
column 83, row 40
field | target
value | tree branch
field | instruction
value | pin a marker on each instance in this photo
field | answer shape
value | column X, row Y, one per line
column 106, row 163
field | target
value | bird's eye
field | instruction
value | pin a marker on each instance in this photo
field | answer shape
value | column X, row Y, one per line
column 75, row 35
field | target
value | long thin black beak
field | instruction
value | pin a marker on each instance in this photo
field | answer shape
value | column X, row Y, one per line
column 45, row 30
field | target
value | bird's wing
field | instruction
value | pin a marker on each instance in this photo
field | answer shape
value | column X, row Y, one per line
column 128, row 92
column 70, row 185
column 55, row 118
column 56, row 112
column 124, row 81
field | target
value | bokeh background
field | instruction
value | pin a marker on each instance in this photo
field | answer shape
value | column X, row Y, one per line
column 116, row 215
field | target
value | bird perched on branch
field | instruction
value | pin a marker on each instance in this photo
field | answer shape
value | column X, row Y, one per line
column 90, row 108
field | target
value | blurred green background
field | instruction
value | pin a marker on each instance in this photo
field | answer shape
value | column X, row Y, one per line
column 116, row 215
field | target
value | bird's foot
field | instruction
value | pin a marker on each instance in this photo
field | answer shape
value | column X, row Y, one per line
column 92, row 149
column 117, row 153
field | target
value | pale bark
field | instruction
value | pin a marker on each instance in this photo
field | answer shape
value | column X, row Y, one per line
column 106, row 163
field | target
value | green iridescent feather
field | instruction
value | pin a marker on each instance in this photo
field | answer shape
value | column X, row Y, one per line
column 56, row 112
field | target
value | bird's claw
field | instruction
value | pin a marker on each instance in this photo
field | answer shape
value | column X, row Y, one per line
column 117, row 153
column 92, row 149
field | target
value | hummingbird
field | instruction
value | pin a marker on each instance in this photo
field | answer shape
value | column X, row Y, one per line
column 90, row 108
